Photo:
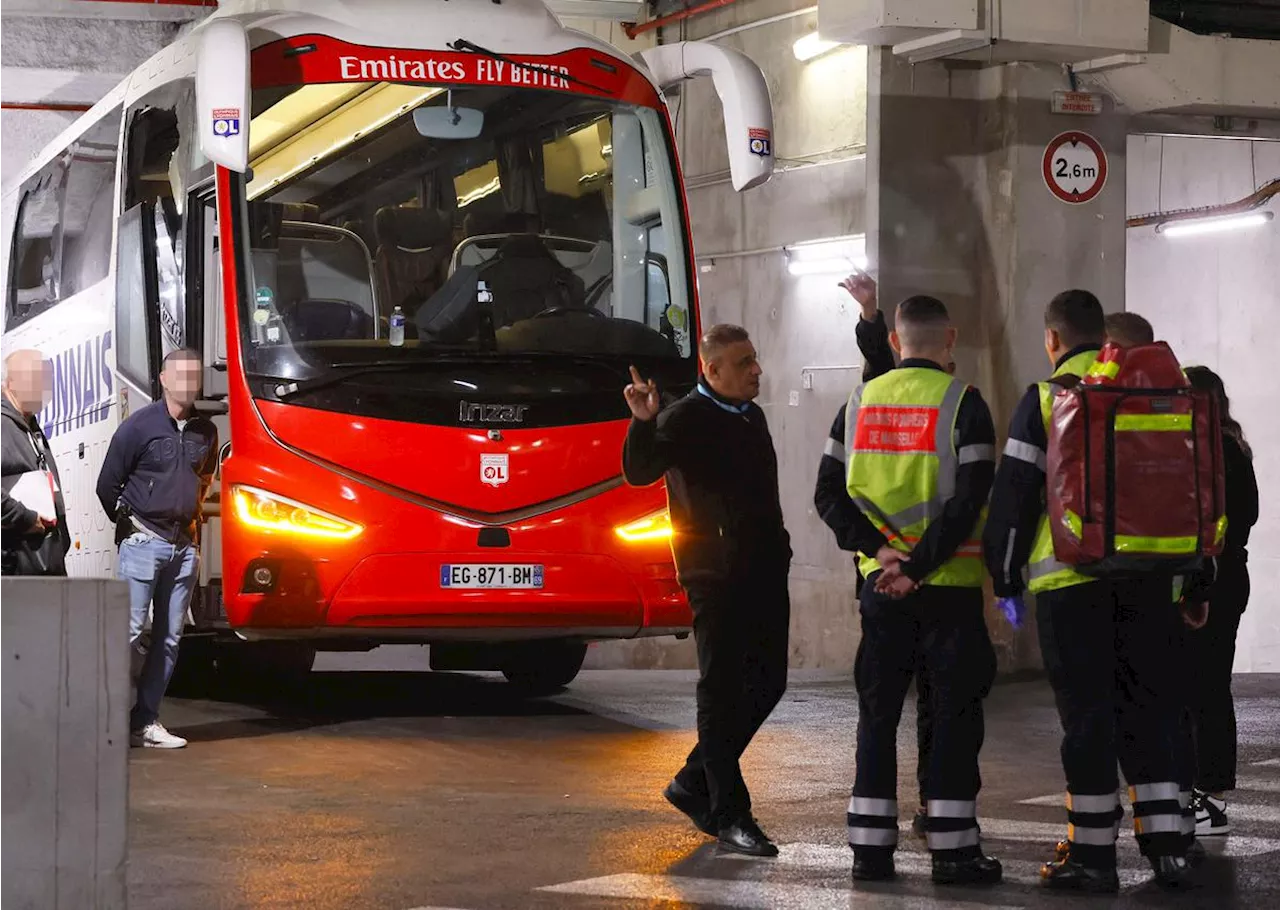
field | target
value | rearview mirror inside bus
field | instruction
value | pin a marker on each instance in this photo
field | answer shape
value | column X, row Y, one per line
column 448, row 122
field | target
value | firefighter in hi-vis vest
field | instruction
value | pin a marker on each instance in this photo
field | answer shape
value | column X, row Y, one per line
column 1107, row 643
column 921, row 458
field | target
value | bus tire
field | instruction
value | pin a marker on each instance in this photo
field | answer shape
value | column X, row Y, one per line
column 543, row 668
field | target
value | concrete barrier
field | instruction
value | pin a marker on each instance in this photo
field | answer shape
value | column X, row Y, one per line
column 65, row 742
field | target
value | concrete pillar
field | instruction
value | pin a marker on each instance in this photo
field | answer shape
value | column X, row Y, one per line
column 66, row 741
column 957, row 207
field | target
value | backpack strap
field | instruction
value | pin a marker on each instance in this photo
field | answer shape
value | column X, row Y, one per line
column 1065, row 381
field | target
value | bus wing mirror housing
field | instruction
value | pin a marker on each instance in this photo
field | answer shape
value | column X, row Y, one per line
column 744, row 96
column 222, row 93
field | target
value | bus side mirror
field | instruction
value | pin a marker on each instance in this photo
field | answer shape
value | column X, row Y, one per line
column 744, row 95
column 222, row 93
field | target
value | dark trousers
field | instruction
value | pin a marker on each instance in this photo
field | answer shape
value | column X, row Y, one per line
column 938, row 633
column 924, row 720
column 741, row 629
column 1210, row 653
column 1111, row 652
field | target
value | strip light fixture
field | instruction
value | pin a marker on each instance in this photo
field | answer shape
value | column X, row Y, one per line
column 1213, row 225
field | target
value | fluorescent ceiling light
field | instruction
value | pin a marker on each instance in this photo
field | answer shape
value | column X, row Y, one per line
column 839, row 265
column 828, row 256
column 811, row 46
column 1193, row 226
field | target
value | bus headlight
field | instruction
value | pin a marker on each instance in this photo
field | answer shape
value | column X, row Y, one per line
column 271, row 512
column 652, row 527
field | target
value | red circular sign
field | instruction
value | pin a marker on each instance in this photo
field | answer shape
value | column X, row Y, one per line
column 1074, row 167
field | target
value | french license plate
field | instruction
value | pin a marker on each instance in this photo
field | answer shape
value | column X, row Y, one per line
column 490, row 575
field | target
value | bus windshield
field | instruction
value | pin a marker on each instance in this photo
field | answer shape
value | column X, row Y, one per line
column 547, row 223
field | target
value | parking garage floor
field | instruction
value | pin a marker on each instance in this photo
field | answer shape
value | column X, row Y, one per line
column 376, row 784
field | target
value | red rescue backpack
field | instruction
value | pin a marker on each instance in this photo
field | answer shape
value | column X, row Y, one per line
column 1134, row 467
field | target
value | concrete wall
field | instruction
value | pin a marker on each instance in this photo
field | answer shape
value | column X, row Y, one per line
column 66, row 742
column 1216, row 300
column 817, row 191
column 958, row 208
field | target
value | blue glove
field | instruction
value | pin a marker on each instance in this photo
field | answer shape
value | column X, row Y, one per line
column 1014, row 609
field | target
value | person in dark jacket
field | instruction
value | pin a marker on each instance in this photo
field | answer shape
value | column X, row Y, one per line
column 831, row 494
column 158, row 469
column 33, row 544
column 1212, row 647
column 733, row 556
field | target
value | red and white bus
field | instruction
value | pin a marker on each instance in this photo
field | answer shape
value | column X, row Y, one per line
column 418, row 245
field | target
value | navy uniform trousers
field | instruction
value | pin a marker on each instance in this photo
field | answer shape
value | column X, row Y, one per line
column 940, row 632
column 1111, row 652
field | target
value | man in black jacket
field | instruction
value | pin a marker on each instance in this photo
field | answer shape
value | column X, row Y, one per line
column 158, row 469
column 33, row 544
column 733, row 556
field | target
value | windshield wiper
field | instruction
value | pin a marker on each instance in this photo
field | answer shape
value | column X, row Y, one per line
column 462, row 44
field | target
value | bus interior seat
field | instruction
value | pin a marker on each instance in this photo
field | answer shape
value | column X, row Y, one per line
column 330, row 320
column 584, row 218
column 413, row 248
column 526, row 278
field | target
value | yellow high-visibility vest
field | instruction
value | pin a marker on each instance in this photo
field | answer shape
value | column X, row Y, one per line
column 1045, row 571
column 900, row 435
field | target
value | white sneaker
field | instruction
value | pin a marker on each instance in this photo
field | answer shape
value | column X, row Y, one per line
column 1211, row 815
column 155, row 736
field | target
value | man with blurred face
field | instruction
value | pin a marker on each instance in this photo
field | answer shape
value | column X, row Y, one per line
column 35, row 535
column 157, row 471
column 732, row 556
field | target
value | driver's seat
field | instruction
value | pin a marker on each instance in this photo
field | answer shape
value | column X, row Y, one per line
column 526, row 278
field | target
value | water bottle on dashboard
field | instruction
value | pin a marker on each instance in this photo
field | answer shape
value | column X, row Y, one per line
column 397, row 328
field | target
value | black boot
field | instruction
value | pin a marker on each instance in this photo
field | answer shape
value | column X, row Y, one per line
column 1171, row 871
column 873, row 866
column 1196, row 854
column 1071, row 875
column 698, row 808
column 744, row 836
column 973, row 870
column 919, row 823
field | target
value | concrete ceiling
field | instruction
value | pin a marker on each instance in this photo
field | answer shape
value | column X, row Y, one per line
column 1237, row 18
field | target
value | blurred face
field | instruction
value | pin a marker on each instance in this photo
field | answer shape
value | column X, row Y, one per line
column 180, row 380
column 28, row 380
column 735, row 374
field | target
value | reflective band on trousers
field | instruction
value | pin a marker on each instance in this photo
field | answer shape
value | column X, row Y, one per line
column 952, row 808
column 873, row 837
column 866, row 805
column 1094, row 837
column 1157, row 824
column 1157, row 792
column 1105, row 802
column 953, row 840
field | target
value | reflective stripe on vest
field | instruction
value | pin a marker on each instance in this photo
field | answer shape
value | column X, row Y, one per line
column 902, row 463
column 1046, row 572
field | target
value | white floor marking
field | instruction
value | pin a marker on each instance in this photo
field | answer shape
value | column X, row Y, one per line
column 743, row 894
column 839, row 858
column 1267, row 763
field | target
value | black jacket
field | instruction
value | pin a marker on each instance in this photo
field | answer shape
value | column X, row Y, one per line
column 722, row 486
column 42, row 552
column 158, row 471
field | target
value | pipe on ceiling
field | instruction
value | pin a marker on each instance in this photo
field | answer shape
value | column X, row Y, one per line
column 44, row 106
column 632, row 29
column 1258, row 198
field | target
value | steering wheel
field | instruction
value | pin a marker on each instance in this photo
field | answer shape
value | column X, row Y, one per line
column 563, row 310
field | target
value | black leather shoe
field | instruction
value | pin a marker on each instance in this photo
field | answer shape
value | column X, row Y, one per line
column 1069, row 875
column 873, row 867
column 919, row 823
column 745, row 837
column 976, row 870
column 1196, row 854
column 698, row 808
column 1171, row 871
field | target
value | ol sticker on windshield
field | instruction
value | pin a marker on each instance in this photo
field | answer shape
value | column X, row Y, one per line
column 761, row 141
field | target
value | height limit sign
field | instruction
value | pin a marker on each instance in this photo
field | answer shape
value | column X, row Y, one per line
column 1075, row 167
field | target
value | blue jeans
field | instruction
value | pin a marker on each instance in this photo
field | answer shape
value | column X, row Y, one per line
column 162, row 574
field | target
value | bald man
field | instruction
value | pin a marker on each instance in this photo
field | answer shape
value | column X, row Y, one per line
column 33, row 542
